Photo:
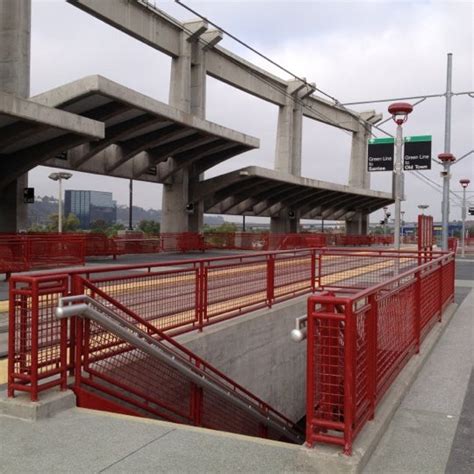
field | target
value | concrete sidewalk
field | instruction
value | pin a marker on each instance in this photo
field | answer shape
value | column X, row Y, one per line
column 431, row 431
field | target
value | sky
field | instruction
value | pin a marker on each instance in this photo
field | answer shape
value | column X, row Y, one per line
column 353, row 50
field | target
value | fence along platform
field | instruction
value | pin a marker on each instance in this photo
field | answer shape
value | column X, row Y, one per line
column 177, row 297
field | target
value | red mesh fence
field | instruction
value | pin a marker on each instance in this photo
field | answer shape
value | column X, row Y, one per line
column 358, row 345
column 37, row 340
column 113, row 369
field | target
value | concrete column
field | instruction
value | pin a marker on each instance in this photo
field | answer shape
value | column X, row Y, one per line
column 288, row 146
column 358, row 224
column 187, row 93
column 359, row 177
column 15, row 41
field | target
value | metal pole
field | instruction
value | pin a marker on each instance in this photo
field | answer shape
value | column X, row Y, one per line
column 243, row 222
column 463, row 215
column 397, row 186
column 130, row 205
column 447, row 149
column 60, row 207
column 402, row 223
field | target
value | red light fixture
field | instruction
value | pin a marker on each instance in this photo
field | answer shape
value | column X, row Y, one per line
column 400, row 111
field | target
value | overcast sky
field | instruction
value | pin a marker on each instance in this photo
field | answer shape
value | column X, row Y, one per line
column 353, row 50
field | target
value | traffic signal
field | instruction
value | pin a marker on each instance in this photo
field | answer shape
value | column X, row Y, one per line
column 471, row 211
column 29, row 195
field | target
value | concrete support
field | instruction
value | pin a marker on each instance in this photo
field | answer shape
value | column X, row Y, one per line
column 288, row 143
column 187, row 93
column 359, row 177
column 358, row 224
column 15, row 41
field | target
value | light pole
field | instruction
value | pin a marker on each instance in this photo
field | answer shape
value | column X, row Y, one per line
column 402, row 223
column 422, row 208
column 399, row 112
column 447, row 159
column 387, row 214
column 59, row 178
column 464, row 183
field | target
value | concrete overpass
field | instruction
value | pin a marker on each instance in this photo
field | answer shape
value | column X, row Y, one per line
column 173, row 144
column 286, row 198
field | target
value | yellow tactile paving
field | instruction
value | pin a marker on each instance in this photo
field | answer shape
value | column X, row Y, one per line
column 3, row 371
column 3, row 306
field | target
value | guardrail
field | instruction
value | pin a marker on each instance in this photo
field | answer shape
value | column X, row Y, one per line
column 177, row 297
column 358, row 344
column 23, row 252
column 125, row 364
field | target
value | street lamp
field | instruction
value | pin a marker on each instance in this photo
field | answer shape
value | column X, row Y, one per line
column 387, row 214
column 402, row 223
column 422, row 208
column 447, row 159
column 59, row 177
column 464, row 183
column 399, row 112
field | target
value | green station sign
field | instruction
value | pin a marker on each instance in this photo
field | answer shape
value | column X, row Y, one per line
column 417, row 153
column 380, row 154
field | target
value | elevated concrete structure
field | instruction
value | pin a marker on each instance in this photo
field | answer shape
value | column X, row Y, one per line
column 15, row 46
column 261, row 192
column 29, row 132
column 195, row 54
column 145, row 140
column 173, row 144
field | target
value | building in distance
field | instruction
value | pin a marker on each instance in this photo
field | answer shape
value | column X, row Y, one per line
column 90, row 207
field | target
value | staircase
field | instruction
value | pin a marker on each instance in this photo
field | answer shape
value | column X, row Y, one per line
column 124, row 364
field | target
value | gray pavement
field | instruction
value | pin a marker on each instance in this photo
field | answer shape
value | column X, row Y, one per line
column 81, row 440
column 430, row 432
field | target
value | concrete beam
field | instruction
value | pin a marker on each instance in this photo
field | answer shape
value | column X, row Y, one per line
column 28, row 111
column 162, row 32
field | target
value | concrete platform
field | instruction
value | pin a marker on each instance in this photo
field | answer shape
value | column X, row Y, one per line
column 80, row 440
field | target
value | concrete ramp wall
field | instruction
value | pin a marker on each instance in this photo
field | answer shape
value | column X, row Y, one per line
column 256, row 351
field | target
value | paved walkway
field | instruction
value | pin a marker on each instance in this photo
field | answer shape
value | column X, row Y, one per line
column 432, row 431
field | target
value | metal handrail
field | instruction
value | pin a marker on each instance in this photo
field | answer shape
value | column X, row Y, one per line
column 89, row 308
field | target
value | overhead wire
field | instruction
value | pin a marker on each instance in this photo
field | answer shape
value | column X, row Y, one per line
column 365, row 123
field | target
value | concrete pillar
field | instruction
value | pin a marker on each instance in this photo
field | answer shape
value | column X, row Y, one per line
column 15, row 45
column 359, row 177
column 358, row 224
column 288, row 145
column 187, row 93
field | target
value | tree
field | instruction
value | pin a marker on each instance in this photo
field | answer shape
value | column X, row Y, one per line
column 149, row 226
column 71, row 223
column 226, row 227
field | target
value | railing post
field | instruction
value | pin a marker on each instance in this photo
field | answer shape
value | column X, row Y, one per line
column 270, row 280
column 417, row 322
column 313, row 270
column 310, row 371
column 349, row 377
column 12, row 336
column 440, row 289
column 201, row 295
column 372, row 354
column 34, row 342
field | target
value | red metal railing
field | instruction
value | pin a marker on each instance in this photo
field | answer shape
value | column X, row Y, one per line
column 358, row 344
column 21, row 252
column 111, row 374
column 181, row 296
